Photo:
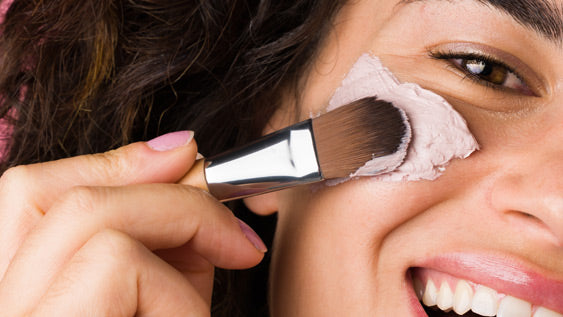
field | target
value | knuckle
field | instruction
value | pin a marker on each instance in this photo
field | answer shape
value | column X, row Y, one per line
column 114, row 164
column 15, row 177
column 106, row 165
column 115, row 248
column 105, row 264
column 197, row 195
column 16, row 188
column 83, row 199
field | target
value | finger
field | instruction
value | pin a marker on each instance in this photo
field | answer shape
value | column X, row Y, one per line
column 162, row 160
column 194, row 267
column 160, row 216
column 115, row 275
column 27, row 191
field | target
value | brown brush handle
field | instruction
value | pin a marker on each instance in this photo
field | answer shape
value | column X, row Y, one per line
column 196, row 176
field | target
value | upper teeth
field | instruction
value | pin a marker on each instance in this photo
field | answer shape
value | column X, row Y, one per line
column 482, row 300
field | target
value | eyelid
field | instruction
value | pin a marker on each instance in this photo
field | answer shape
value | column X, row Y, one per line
column 514, row 64
column 454, row 56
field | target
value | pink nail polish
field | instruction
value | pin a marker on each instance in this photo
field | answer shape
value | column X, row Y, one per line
column 171, row 140
column 252, row 236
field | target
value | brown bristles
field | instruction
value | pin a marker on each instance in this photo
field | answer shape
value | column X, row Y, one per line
column 349, row 136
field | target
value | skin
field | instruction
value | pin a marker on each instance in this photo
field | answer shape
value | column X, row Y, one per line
column 91, row 222
column 345, row 250
column 339, row 251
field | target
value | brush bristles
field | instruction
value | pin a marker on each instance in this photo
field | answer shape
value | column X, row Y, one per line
column 348, row 137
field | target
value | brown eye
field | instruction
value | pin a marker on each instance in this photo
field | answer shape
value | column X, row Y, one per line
column 491, row 72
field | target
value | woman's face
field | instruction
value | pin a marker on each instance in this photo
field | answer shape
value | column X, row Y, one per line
column 494, row 219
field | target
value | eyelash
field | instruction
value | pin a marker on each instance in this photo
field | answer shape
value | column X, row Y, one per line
column 490, row 60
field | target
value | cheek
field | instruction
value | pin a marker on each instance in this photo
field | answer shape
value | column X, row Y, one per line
column 331, row 240
column 341, row 242
column 365, row 210
column 359, row 210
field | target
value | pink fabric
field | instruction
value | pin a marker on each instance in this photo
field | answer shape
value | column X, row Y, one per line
column 4, row 8
column 5, row 130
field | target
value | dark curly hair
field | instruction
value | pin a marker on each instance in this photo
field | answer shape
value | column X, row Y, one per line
column 79, row 77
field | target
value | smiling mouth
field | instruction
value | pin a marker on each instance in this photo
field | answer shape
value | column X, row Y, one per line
column 441, row 295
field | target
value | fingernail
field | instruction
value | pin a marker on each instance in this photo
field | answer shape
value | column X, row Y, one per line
column 171, row 140
column 252, row 237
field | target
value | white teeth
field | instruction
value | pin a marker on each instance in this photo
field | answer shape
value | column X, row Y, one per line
column 544, row 312
column 445, row 299
column 430, row 294
column 463, row 297
column 485, row 301
column 514, row 307
column 418, row 288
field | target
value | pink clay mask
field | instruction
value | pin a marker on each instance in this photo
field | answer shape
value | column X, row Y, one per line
column 439, row 133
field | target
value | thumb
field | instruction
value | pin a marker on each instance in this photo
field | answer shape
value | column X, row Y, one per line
column 162, row 160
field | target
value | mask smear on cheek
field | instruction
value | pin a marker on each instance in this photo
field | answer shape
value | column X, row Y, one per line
column 439, row 133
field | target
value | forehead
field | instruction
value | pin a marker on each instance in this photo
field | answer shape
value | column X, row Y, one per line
column 542, row 16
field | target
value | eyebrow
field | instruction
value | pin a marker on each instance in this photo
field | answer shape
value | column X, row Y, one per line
column 542, row 16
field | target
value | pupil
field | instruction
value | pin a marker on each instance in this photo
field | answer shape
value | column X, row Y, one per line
column 477, row 67
column 490, row 72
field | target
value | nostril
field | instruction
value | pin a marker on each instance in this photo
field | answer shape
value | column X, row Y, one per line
column 533, row 203
column 526, row 217
column 520, row 219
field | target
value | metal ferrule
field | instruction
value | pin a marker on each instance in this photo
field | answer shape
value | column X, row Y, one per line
column 282, row 159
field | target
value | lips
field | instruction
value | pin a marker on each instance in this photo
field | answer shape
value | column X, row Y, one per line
column 486, row 286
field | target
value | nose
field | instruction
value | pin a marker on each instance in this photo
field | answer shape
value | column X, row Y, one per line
column 535, row 189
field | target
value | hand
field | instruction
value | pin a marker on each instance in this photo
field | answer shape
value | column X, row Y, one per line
column 112, row 235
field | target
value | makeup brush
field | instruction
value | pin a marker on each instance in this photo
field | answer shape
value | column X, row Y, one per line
column 333, row 145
